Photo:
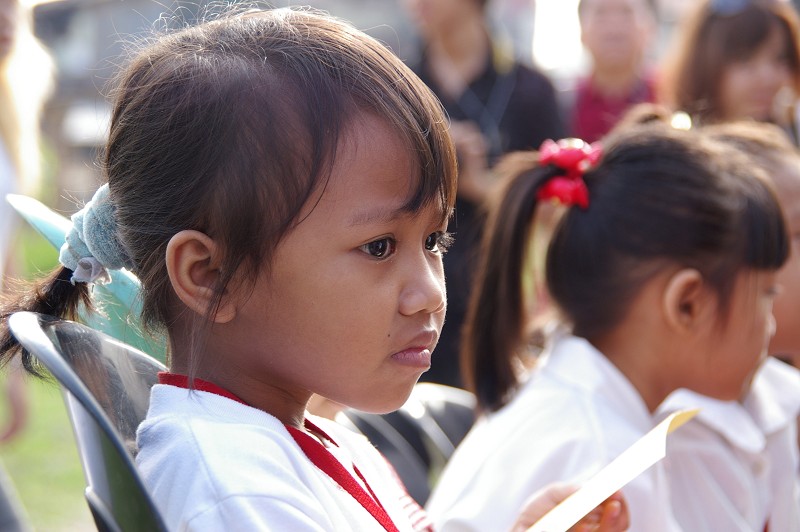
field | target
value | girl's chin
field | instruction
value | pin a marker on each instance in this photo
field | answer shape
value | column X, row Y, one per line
column 385, row 405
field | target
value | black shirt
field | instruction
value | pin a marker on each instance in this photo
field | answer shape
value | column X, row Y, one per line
column 515, row 107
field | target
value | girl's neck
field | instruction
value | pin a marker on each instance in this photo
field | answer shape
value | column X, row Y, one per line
column 636, row 365
column 457, row 58
column 641, row 346
column 287, row 406
column 277, row 400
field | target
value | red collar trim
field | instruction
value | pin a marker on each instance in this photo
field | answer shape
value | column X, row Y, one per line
column 313, row 449
column 182, row 381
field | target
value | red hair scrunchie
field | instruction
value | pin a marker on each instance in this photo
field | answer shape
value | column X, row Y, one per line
column 574, row 158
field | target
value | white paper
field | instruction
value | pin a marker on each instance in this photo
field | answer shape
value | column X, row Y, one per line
column 645, row 452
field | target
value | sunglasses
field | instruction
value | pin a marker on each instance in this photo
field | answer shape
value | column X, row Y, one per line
column 734, row 7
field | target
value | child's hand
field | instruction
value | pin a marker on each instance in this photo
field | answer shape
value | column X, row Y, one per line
column 610, row 516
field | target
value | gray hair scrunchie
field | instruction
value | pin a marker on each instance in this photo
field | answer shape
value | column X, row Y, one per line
column 92, row 246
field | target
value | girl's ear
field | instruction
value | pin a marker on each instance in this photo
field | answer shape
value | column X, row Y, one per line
column 686, row 300
column 193, row 267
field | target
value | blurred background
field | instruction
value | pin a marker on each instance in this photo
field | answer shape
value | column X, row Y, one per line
column 87, row 40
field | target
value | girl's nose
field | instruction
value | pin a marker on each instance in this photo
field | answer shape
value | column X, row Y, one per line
column 424, row 290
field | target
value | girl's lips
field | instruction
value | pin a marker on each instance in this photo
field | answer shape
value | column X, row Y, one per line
column 418, row 357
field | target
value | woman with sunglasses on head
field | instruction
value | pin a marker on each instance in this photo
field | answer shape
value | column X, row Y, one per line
column 736, row 59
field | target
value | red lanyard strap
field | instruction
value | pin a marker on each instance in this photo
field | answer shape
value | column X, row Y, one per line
column 328, row 464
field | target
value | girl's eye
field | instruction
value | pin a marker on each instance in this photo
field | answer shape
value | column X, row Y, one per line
column 439, row 241
column 379, row 249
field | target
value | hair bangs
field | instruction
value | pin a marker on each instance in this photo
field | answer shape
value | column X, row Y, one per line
column 417, row 115
column 767, row 239
column 436, row 181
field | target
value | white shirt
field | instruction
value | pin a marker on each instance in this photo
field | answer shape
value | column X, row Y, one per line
column 735, row 466
column 574, row 415
column 212, row 463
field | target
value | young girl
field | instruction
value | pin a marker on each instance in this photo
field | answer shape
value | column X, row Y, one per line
column 280, row 183
column 663, row 269
column 736, row 60
column 736, row 467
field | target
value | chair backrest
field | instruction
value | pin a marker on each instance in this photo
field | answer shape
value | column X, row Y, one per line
column 120, row 299
column 106, row 387
column 419, row 438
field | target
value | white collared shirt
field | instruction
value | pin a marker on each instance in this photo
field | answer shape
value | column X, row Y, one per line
column 211, row 463
column 575, row 414
column 735, row 466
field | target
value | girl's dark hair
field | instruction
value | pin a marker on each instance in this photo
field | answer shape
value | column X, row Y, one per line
column 708, row 42
column 767, row 144
column 231, row 126
column 659, row 197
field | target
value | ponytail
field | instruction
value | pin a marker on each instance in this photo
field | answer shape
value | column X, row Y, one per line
column 55, row 295
column 91, row 248
column 495, row 315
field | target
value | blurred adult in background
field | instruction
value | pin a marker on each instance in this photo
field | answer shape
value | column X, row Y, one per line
column 736, row 59
column 616, row 35
column 496, row 105
column 25, row 81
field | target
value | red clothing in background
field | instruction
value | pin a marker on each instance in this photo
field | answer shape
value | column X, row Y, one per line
column 594, row 114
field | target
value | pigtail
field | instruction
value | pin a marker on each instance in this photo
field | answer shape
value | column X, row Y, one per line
column 91, row 248
column 495, row 315
column 55, row 295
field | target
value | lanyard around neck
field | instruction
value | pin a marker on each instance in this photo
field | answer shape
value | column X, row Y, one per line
column 313, row 449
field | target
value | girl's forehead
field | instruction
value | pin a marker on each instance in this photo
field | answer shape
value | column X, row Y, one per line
column 371, row 144
column 370, row 157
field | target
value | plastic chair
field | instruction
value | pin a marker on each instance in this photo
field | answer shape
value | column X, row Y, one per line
column 106, row 386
